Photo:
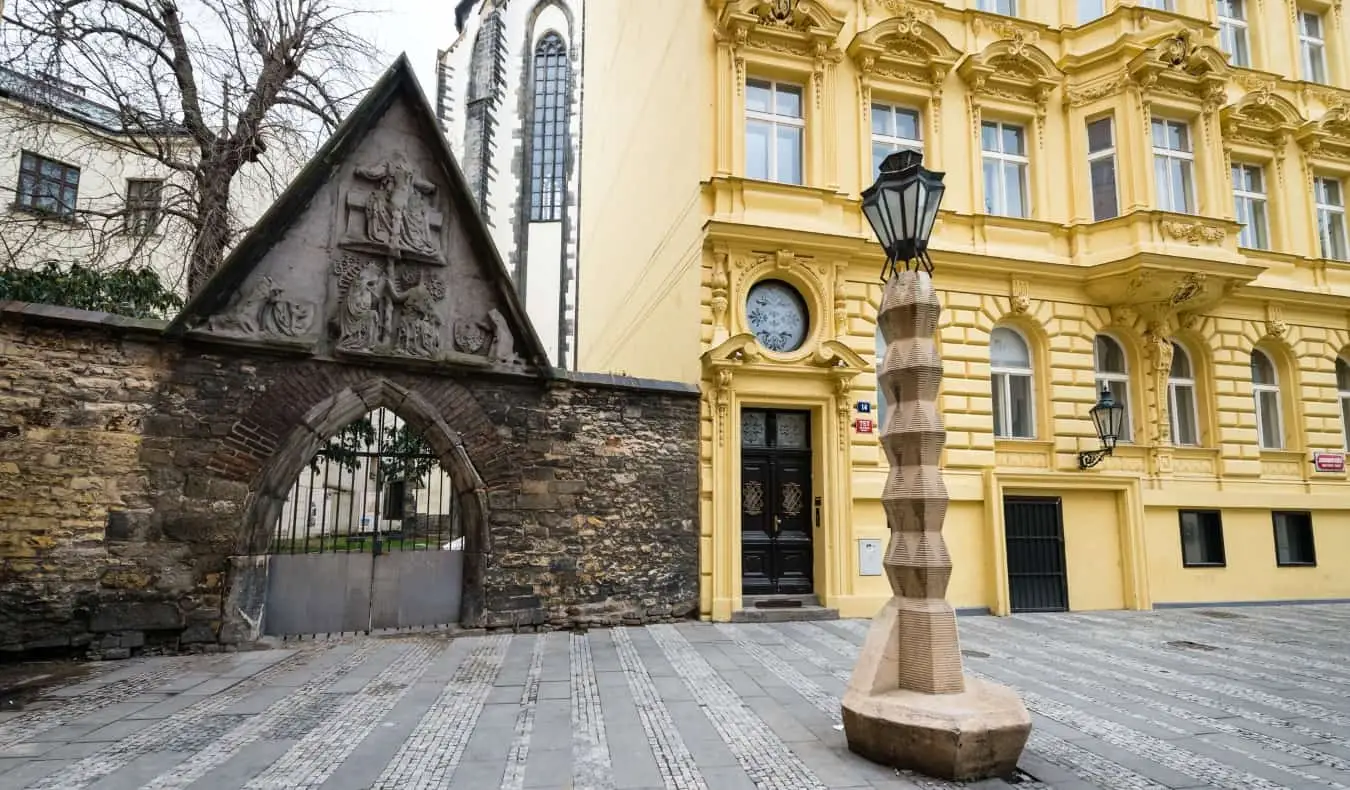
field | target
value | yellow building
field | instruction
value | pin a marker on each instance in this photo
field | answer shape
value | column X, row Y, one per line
column 1147, row 196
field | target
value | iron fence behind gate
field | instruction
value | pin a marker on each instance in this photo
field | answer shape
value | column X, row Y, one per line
column 376, row 487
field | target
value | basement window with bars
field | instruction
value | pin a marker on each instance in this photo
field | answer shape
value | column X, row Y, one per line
column 1294, row 539
column 1202, row 539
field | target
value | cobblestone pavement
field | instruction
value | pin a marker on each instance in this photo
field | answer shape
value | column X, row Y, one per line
column 1239, row 698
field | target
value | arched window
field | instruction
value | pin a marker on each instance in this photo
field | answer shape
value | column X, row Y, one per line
column 1113, row 375
column 549, row 121
column 1010, row 366
column 1266, row 391
column 1181, row 400
column 1343, row 393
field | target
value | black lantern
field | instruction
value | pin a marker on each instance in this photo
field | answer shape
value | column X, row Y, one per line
column 1108, row 417
column 902, row 206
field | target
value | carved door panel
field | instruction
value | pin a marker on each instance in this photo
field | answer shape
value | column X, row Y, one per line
column 776, row 503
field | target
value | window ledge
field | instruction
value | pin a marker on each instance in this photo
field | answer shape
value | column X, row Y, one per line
column 1204, row 564
column 1296, row 565
column 39, row 214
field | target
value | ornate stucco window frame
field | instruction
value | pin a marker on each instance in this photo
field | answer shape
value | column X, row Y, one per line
column 781, row 40
column 1258, row 129
column 1012, row 79
column 1186, row 80
column 1325, row 147
column 903, row 59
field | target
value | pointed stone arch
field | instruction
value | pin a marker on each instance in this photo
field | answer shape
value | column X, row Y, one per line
column 329, row 416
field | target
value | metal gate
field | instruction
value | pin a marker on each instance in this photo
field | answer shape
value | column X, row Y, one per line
column 1037, row 580
column 369, row 538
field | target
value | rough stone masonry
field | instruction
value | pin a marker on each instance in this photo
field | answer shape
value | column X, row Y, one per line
column 138, row 461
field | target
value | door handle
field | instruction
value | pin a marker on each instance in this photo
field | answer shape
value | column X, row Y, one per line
column 777, row 524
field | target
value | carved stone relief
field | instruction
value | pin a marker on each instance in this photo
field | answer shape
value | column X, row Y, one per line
column 394, row 216
column 263, row 312
column 382, row 308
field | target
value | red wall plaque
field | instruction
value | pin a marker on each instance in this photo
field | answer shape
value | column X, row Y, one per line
column 1329, row 462
column 864, row 426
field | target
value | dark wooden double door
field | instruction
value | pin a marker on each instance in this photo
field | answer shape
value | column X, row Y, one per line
column 1037, row 576
column 776, row 503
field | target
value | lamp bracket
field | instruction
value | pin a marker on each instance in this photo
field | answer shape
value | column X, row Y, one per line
column 1087, row 460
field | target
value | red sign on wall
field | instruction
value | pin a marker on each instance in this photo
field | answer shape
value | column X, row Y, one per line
column 864, row 426
column 1329, row 462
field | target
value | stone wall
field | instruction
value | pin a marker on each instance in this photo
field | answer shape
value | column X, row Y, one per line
column 128, row 463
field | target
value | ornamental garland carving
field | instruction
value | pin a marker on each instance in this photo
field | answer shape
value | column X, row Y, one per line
column 1193, row 232
column 1086, row 94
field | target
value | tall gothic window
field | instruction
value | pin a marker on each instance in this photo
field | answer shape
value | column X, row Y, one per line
column 549, row 131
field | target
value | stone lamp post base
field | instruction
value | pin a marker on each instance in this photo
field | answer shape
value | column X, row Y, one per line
column 976, row 733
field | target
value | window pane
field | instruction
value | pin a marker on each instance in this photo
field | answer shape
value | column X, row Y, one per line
column 1311, row 24
column 1256, row 229
column 1184, row 429
column 1120, row 390
column 758, row 96
column 1014, row 181
column 1263, row 372
column 1089, row 10
column 989, row 136
column 1336, row 236
column 1099, row 135
column 1008, row 350
column 1272, row 436
column 1342, row 375
column 789, row 155
column 993, row 200
column 1000, row 396
column 1181, row 363
column 1104, row 200
column 1178, row 136
column 1013, row 142
column 1108, row 356
column 1345, row 420
column 882, row 120
column 789, row 101
column 1181, row 181
column 757, row 135
column 907, row 124
column 1019, row 396
column 1159, row 134
column 1161, row 184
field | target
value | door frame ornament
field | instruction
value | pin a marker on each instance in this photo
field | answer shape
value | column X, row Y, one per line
column 736, row 374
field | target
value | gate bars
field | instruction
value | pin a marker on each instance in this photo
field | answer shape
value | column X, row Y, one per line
column 376, row 487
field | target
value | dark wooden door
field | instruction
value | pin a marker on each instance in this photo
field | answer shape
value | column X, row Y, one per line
column 1037, row 581
column 776, row 503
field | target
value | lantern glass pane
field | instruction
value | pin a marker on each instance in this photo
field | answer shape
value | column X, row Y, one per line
column 930, row 209
column 893, row 207
column 909, row 209
column 872, row 210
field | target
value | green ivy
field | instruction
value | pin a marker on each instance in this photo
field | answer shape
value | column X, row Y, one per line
column 137, row 293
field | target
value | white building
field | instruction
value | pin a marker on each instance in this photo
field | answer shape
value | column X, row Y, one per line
column 509, row 99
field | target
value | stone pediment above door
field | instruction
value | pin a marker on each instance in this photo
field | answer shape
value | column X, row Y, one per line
column 744, row 351
column 374, row 253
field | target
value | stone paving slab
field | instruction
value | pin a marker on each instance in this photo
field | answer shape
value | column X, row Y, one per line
column 1248, row 698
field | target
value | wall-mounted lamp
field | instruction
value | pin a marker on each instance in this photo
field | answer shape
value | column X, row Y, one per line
column 1109, row 418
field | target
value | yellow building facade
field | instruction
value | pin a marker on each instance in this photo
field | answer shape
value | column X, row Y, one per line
column 1143, row 196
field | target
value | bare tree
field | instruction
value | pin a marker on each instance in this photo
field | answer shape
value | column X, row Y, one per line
column 225, row 97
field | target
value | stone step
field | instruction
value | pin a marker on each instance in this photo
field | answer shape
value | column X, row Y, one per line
column 784, row 615
column 778, row 601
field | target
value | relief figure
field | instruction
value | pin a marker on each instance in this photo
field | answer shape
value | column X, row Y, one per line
column 396, row 211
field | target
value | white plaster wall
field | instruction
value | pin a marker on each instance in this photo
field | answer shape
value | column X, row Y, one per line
column 541, row 289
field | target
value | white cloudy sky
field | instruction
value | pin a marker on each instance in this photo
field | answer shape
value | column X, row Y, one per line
column 418, row 27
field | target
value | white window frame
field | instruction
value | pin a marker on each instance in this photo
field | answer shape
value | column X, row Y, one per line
column 895, row 142
column 1253, row 202
column 1157, row 5
column 1007, row 373
column 1259, row 390
column 1009, row 7
column 1023, row 162
column 1343, row 398
column 1109, row 377
column 1237, row 28
column 775, row 120
column 1309, row 45
column 1096, row 156
column 1177, row 382
column 1186, row 157
column 1328, row 213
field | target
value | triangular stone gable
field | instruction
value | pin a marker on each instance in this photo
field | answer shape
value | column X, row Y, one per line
column 375, row 252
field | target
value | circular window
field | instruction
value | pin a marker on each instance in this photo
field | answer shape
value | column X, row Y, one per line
column 777, row 314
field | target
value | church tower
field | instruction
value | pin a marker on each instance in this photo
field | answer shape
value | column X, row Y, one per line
column 509, row 100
